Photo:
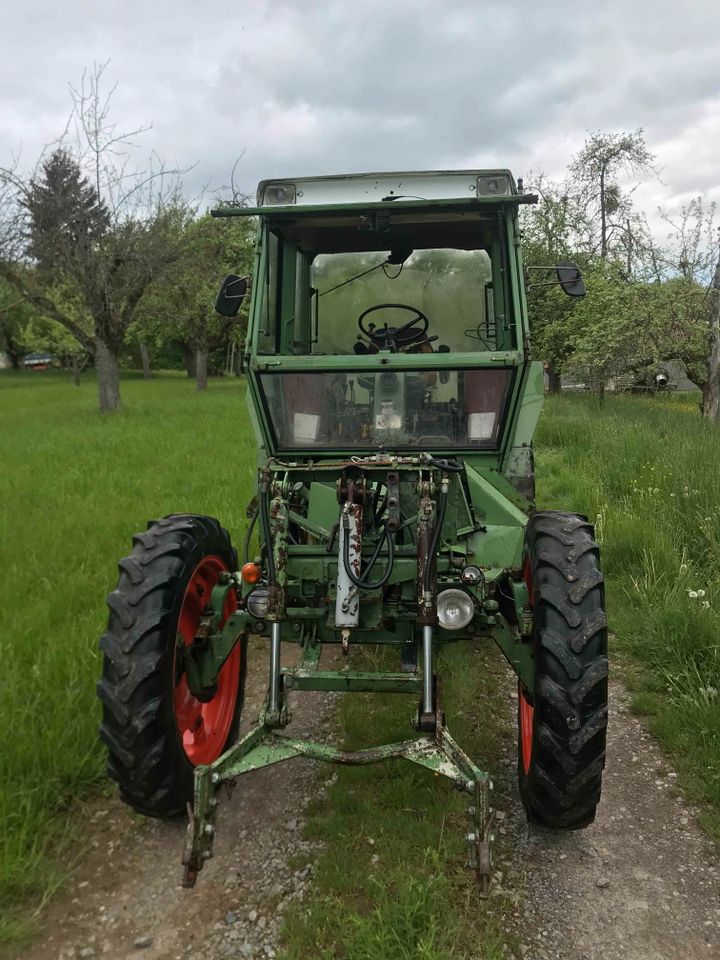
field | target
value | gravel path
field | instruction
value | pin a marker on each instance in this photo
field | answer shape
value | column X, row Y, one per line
column 643, row 883
column 125, row 902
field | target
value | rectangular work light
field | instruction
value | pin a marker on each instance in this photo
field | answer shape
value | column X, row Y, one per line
column 494, row 185
column 278, row 194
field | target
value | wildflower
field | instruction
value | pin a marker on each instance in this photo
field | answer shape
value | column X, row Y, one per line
column 692, row 594
column 683, row 568
column 701, row 593
column 705, row 605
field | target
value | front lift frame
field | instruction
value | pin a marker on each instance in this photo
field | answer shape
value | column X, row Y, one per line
column 265, row 744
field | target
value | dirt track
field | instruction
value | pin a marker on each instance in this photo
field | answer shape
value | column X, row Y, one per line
column 127, row 890
column 643, row 883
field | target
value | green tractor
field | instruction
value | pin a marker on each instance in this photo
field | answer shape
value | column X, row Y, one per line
column 393, row 402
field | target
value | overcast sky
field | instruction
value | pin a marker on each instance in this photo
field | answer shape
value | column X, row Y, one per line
column 333, row 87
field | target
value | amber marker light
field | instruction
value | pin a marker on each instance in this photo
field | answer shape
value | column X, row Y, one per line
column 250, row 573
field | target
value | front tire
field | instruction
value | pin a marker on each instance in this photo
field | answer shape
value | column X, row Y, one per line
column 156, row 732
column 562, row 722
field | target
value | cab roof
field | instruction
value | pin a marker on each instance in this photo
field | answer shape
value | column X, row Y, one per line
column 437, row 188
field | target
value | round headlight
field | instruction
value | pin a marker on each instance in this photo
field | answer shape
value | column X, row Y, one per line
column 472, row 576
column 455, row 609
column 257, row 603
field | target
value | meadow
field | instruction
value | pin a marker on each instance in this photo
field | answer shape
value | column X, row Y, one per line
column 75, row 485
column 647, row 473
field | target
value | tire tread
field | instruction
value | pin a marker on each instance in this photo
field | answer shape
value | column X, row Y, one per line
column 145, row 756
column 562, row 787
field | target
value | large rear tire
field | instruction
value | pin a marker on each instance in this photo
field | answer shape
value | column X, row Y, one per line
column 156, row 732
column 562, row 722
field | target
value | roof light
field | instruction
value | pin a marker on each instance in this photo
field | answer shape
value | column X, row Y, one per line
column 279, row 194
column 496, row 185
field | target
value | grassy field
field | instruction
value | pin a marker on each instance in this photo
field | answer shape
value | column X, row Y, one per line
column 647, row 472
column 391, row 882
column 74, row 486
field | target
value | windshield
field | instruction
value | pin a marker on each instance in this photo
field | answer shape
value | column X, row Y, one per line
column 441, row 297
column 421, row 409
column 340, row 290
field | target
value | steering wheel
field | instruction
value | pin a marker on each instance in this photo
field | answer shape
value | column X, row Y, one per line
column 409, row 334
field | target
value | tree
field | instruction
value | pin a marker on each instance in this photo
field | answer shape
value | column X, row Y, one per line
column 550, row 233
column 181, row 306
column 15, row 316
column 606, row 210
column 589, row 220
column 65, row 214
column 98, row 233
column 711, row 395
column 606, row 337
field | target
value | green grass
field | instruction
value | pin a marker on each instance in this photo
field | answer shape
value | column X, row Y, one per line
column 391, row 882
column 647, row 472
column 74, row 487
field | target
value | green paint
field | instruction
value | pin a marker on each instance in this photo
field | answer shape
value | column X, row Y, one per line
column 351, row 681
column 365, row 431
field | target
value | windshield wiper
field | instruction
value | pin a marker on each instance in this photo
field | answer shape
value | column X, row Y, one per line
column 357, row 276
column 397, row 257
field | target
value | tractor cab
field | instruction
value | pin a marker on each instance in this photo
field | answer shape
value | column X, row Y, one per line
column 388, row 314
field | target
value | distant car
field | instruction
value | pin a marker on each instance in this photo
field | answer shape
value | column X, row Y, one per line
column 39, row 361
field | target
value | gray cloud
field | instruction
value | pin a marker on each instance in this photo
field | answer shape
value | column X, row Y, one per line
column 318, row 87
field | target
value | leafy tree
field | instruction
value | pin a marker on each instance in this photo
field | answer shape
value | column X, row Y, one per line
column 642, row 306
column 593, row 175
column 606, row 340
column 181, row 304
column 551, row 233
column 98, row 233
column 15, row 317
column 690, row 258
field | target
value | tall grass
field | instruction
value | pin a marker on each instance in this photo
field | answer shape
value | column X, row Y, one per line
column 391, row 882
column 74, row 487
column 647, row 472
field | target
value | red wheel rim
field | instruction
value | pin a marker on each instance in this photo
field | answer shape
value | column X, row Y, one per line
column 204, row 727
column 526, row 713
column 526, row 710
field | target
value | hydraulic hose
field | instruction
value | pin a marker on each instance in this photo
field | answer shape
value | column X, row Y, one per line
column 267, row 535
column 361, row 582
column 439, row 520
column 450, row 466
column 248, row 535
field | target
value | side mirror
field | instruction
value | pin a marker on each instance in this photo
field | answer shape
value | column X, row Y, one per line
column 231, row 294
column 570, row 279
